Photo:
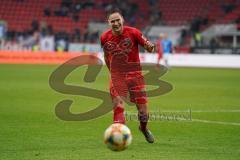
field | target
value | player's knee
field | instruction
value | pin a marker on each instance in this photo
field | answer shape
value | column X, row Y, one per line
column 117, row 101
column 142, row 108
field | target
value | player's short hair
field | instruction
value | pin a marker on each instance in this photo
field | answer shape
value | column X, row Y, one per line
column 112, row 11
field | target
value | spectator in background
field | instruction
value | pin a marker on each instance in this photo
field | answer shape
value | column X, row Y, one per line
column 61, row 12
column 43, row 25
column 75, row 17
column 47, row 11
column 35, row 25
column 46, row 41
column 198, row 39
column 64, row 11
column 77, row 7
column 155, row 15
column 61, row 41
column 195, row 25
column 107, row 7
column 152, row 2
column 154, row 12
column 30, row 40
column 88, row 4
column 183, row 35
column 11, row 34
column 238, row 20
column 213, row 45
column 129, row 10
column 228, row 7
column 205, row 20
column 238, row 23
column 195, row 30
column 57, row 12
column 66, row 3
column 86, row 36
column 50, row 29
column 61, row 45
column 94, row 37
column 76, row 36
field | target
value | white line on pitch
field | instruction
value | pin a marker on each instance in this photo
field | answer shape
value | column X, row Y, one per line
column 198, row 111
column 216, row 122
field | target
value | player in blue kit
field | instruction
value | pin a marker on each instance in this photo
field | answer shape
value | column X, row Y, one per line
column 167, row 49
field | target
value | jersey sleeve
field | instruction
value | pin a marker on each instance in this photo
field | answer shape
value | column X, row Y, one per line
column 139, row 37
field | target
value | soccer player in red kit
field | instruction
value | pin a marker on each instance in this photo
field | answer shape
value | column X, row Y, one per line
column 159, row 48
column 121, row 53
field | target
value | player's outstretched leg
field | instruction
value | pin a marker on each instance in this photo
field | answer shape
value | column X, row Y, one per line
column 143, row 118
column 118, row 110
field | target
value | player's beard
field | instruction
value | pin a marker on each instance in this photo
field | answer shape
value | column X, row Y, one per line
column 117, row 29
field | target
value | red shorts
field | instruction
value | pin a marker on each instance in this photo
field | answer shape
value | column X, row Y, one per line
column 132, row 86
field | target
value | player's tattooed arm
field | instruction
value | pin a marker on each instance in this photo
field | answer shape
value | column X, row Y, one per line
column 149, row 46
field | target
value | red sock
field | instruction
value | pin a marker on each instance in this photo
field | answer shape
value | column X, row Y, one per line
column 143, row 118
column 118, row 115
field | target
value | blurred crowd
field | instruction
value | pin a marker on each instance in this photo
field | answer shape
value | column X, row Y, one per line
column 42, row 33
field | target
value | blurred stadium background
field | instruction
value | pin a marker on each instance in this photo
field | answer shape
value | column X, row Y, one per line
column 205, row 33
column 194, row 26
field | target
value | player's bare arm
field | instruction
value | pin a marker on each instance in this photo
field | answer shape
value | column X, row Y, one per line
column 149, row 46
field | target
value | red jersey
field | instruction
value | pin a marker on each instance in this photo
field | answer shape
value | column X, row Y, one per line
column 159, row 49
column 126, row 43
column 122, row 58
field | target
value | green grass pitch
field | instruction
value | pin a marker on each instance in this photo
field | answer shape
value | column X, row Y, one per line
column 30, row 130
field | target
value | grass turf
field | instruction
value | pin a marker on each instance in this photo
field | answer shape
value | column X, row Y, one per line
column 30, row 129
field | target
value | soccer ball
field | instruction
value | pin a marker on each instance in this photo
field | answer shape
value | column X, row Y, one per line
column 117, row 137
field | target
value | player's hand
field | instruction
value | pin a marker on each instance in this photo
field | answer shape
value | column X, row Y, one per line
column 149, row 46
